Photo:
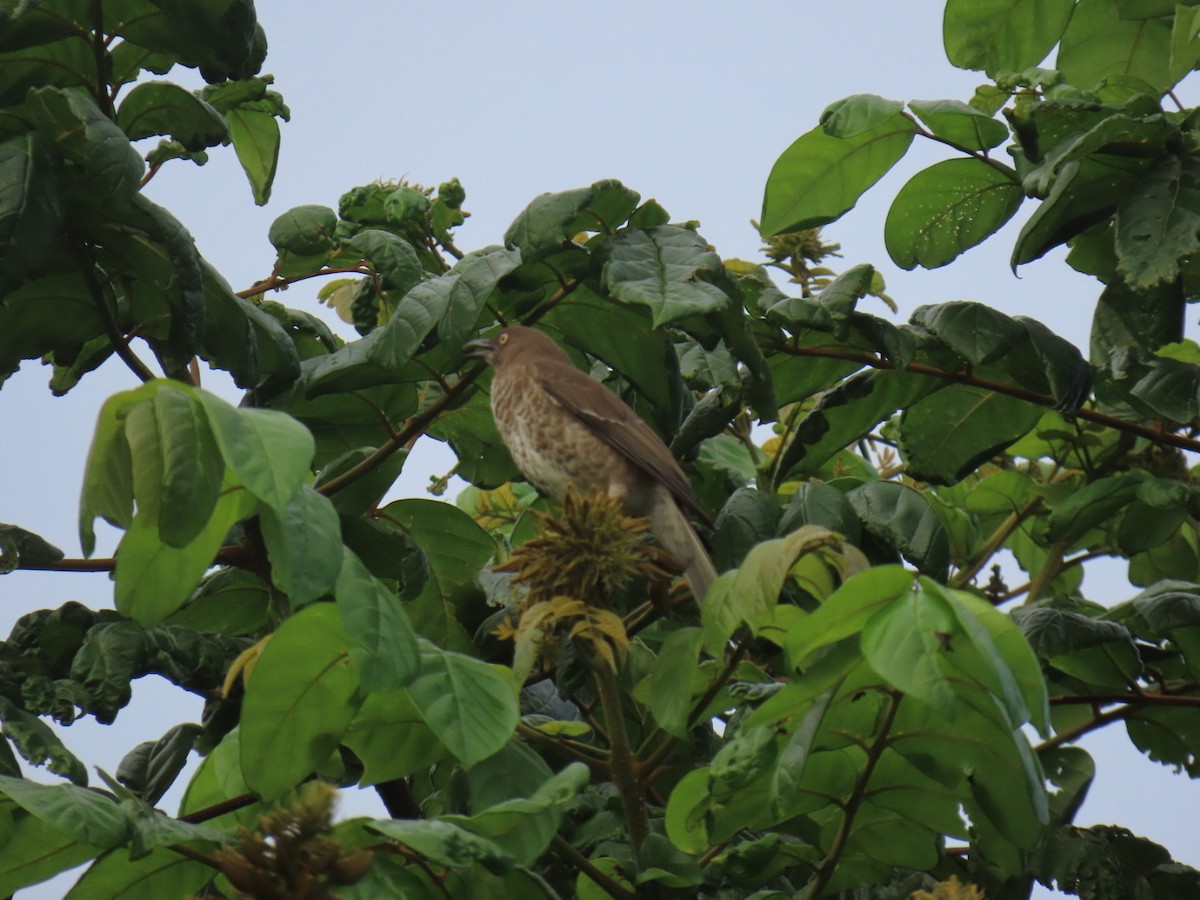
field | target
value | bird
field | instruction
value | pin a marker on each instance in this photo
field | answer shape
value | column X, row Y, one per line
column 564, row 429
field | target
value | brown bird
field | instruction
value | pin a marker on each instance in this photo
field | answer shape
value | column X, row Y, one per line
column 564, row 429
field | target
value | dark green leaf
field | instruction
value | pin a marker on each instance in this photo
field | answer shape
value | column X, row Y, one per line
column 20, row 547
column 391, row 739
column 35, row 851
column 1090, row 506
column 161, row 873
column 392, row 257
column 87, row 816
column 160, row 107
column 946, row 436
column 553, row 219
column 38, row 743
column 903, row 517
column 304, row 230
column 1159, row 224
column 668, row 268
column 150, row 768
column 977, row 333
column 30, row 204
column 445, row 844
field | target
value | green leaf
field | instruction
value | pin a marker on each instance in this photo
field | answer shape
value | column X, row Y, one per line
column 964, row 125
column 847, row 610
column 161, row 873
column 301, row 698
column 268, row 451
column 947, row 209
column 902, row 642
column 304, row 230
column 819, row 178
column 903, row 517
column 551, row 220
column 177, row 468
column 18, row 546
column 1098, row 42
column 383, row 644
column 90, row 139
column 524, row 827
column 30, row 204
column 87, row 816
column 153, row 578
column 229, row 601
column 1002, row 35
column 1100, row 653
column 947, row 436
column 392, row 257
column 1084, row 193
column 391, row 739
column 219, row 778
column 1159, row 224
column 469, row 705
column 667, row 268
column 445, row 844
column 35, row 851
column 304, row 545
column 255, row 135
column 673, row 681
column 150, row 768
column 38, row 743
column 1090, row 506
column 851, row 116
column 160, row 107
column 789, row 768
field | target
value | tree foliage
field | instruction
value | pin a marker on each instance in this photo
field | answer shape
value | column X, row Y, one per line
column 868, row 700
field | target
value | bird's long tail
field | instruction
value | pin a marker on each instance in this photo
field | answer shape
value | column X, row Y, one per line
column 672, row 527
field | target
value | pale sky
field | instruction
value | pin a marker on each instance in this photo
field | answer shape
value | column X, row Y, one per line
column 687, row 103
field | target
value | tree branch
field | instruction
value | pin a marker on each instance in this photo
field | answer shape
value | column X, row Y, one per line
column 606, row 883
column 624, row 764
column 87, row 269
column 274, row 283
column 1157, row 435
column 826, row 870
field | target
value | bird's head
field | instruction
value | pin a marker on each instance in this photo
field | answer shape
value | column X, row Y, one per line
column 516, row 343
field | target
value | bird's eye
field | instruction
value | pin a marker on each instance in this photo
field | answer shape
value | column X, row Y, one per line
column 503, row 339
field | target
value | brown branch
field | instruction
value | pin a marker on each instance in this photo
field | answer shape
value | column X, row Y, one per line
column 120, row 344
column 605, row 882
column 1140, row 699
column 274, row 283
column 233, row 804
column 841, row 838
column 1097, row 721
column 1151, row 433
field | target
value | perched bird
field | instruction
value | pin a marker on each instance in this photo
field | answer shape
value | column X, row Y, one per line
column 564, row 429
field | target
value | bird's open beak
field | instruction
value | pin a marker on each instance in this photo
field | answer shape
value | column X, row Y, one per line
column 479, row 349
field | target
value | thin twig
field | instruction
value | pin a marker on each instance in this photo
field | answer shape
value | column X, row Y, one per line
column 623, row 764
column 119, row 342
column 274, row 283
column 233, row 804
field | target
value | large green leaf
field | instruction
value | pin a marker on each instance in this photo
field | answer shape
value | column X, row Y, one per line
column 1002, row 35
column 667, row 268
column 30, row 204
column 469, row 705
column 153, row 578
column 162, row 873
column 35, row 850
column 177, row 468
column 551, row 220
column 160, row 107
column 382, row 642
column 1099, row 42
column 819, row 177
column 1159, row 224
column 903, row 517
column 255, row 134
column 268, row 451
column 391, row 738
column 300, row 700
column 304, row 545
column 946, row 436
column 87, row 816
column 946, row 209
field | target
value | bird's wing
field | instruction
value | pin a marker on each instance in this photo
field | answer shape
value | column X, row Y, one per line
column 611, row 420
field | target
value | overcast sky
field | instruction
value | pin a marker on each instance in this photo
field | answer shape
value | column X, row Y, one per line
column 687, row 103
